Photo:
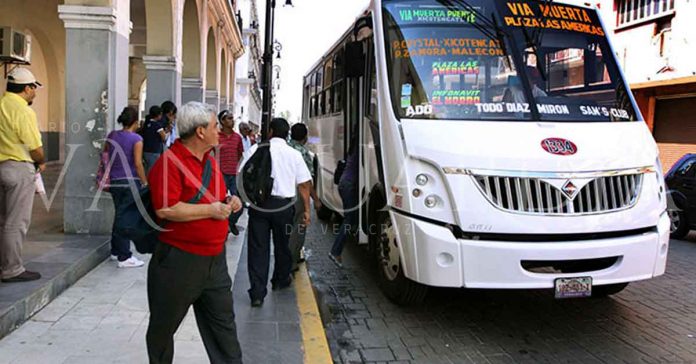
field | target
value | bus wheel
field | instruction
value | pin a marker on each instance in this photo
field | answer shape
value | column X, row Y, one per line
column 392, row 280
column 608, row 289
column 324, row 213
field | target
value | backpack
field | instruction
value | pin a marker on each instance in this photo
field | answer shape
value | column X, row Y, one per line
column 137, row 219
column 256, row 183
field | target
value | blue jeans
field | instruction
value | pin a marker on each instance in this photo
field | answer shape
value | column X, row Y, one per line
column 122, row 193
column 349, row 196
column 231, row 183
column 150, row 159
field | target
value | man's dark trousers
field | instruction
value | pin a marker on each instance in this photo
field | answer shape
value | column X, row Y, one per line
column 175, row 281
column 275, row 215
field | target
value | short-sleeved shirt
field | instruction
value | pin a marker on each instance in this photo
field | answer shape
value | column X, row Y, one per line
column 121, row 146
column 247, row 143
column 173, row 135
column 306, row 156
column 180, row 183
column 288, row 169
column 19, row 131
column 231, row 151
column 152, row 141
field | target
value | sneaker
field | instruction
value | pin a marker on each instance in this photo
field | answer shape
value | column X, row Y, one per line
column 131, row 262
column 114, row 258
column 26, row 276
column 337, row 260
column 302, row 255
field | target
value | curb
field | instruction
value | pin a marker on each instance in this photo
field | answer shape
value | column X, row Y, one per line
column 316, row 346
column 25, row 308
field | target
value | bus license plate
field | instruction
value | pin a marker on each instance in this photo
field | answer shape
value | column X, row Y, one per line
column 573, row 287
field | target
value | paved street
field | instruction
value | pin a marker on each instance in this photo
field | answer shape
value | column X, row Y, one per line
column 649, row 322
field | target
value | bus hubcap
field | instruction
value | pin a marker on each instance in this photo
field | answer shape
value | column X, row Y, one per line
column 390, row 252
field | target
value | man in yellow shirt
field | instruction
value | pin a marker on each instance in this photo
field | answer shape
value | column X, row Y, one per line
column 21, row 155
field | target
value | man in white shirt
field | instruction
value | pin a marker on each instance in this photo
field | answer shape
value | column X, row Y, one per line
column 245, row 130
column 290, row 174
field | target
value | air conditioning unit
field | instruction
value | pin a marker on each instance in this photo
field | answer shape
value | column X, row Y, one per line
column 15, row 46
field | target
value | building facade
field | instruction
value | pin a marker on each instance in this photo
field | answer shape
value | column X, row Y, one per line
column 97, row 56
column 655, row 43
column 247, row 107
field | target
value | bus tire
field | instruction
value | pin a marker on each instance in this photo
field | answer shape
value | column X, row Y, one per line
column 391, row 279
column 608, row 290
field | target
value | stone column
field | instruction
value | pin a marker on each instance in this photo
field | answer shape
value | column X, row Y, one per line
column 96, row 89
column 191, row 90
column 163, row 80
column 212, row 98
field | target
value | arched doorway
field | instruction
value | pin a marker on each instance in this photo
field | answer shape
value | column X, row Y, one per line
column 212, row 94
column 192, row 82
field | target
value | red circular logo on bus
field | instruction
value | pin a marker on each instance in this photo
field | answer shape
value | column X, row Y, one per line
column 559, row 146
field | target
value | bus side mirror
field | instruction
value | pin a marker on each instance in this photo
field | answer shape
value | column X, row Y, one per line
column 354, row 60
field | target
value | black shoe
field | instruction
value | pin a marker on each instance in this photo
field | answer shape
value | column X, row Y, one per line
column 26, row 276
column 279, row 286
column 258, row 302
column 234, row 230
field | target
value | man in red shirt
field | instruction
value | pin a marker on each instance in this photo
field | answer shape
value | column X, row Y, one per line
column 230, row 153
column 189, row 265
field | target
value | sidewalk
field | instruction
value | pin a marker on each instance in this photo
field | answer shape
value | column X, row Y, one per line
column 61, row 259
column 103, row 319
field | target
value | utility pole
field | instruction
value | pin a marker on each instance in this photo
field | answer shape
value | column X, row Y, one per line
column 267, row 69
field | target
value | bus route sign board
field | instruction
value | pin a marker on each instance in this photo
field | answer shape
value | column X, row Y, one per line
column 573, row 287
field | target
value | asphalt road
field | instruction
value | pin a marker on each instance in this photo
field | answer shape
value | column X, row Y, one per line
column 651, row 321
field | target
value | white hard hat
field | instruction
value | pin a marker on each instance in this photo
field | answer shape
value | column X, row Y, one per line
column 22, row 76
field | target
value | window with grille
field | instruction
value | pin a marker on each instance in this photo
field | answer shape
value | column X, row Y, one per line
column 636, row 11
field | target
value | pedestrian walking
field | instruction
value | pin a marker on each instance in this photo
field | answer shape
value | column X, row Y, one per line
column 127, row 174
column 275, row 214
column 298, row 141
column 169, row 120
column 348, row 190
column 21, row 156
column 231, row 151
column 189, row 265
column 154, row 135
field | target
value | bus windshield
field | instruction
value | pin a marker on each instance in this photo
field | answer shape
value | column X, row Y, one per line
column 502, row 60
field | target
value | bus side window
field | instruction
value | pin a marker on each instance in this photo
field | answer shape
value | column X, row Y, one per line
column 338, row 82
column 371, row 96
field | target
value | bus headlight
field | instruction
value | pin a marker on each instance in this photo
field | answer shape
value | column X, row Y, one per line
column 421, row 179
column 430, row 201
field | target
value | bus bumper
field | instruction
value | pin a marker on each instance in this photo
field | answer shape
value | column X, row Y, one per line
column 431, row 255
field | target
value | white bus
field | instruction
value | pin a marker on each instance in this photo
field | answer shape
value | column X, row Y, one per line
column 500, row 147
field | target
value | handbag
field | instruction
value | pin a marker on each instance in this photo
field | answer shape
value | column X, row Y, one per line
column 137, row 220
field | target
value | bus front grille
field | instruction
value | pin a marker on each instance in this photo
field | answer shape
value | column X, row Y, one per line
column 561, row 197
